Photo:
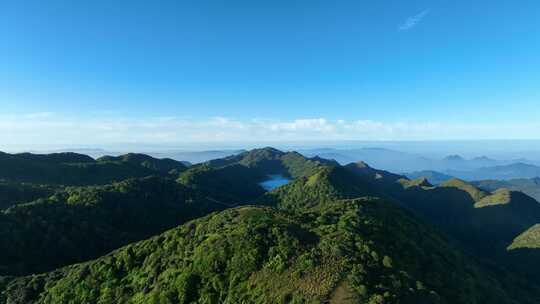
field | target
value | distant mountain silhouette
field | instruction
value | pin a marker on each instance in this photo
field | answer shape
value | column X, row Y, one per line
column 510, row 171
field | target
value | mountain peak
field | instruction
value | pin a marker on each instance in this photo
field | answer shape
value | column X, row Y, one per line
column 482, row 158
column 362, row 164
column 163, row 165
column 454, row 157
column 420, row 182
column 325, row 184
column 271, row 161
column 266, row 151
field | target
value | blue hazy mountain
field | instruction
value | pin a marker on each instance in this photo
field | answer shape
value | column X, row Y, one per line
column 502, row 172
column 453, row 165
column 433, row 176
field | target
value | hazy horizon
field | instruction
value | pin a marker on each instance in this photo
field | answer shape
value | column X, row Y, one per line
column 497, row 149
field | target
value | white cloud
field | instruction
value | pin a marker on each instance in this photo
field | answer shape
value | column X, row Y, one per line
column 54, row 130
column 310, row 125
column 411, row 22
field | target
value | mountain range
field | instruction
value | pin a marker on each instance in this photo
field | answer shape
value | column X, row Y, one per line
column 209, row 233
column 476, row 168
column 78, row 169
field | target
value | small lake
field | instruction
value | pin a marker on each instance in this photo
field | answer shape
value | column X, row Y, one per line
column 274, row 181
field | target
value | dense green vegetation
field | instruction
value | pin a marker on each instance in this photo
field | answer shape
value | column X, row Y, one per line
column 164, row 165
column 268, row 161
column 81, row 223
column 76, row 169
column 359, row 251
column 325, row 185
column 15, row 193
column 232, row 184
column 335, row 234
column 482, row 219
column 53, row 158
column 484, row 223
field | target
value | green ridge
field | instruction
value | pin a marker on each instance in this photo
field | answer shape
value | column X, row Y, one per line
column 75, row 169
column 475, row 193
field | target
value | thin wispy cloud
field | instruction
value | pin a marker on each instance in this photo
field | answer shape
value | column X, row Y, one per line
column 413, row 21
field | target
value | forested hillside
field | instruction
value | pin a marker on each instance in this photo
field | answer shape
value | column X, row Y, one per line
column 76, row 169
column 267, row 161
column 82, row 223
column 211, row 234
column 358, row 251
column 12, row 193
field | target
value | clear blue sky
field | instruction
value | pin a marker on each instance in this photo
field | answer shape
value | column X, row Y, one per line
column 294, row 65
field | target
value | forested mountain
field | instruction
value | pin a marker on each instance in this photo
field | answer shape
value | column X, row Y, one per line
column 78, row 169
column 164, row 165
column 484, row 223
column 335, row 234
column 356, row 251
column 82, row 223
column 231, row 184
column 326, row 184
column 267, row 161
column 53, row 158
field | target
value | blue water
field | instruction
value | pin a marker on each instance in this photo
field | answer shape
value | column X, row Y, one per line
column 274, row 181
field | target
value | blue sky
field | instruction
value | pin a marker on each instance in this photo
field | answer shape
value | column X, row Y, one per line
column 166, row 71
